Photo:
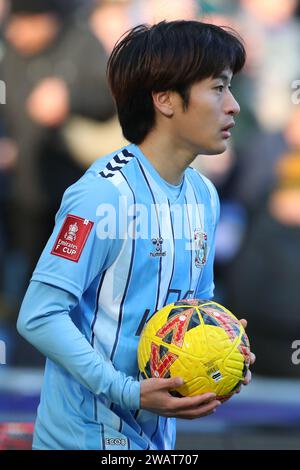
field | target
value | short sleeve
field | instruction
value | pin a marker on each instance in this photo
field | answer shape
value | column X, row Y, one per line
column 85, row 240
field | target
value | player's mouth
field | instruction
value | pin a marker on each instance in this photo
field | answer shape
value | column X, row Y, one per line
column 226, row 130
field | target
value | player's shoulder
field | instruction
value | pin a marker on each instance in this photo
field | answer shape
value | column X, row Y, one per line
column 109, row 166
column 100, row 183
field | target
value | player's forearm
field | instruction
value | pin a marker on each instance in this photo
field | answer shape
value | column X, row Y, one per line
column 46, row 324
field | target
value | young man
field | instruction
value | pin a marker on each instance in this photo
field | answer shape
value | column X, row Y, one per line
column 135, row 233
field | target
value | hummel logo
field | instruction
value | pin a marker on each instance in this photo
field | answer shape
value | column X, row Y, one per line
column 157, row 242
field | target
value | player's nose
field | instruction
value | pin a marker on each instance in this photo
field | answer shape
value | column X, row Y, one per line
column 232, row 107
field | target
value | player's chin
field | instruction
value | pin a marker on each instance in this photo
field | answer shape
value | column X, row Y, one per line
column 217, row 148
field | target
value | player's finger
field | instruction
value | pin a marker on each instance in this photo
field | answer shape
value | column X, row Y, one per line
column 252, row 358
column 200, row 411
column 172, row 383
column 244, row 323
column 184, row 403
column 247, row 378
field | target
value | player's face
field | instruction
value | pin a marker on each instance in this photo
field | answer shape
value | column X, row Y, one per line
column 204, row 127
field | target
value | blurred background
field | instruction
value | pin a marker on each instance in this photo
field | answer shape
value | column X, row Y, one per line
column 57, row 116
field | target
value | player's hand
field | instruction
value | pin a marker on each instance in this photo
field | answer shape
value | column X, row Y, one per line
column 156, row 397
column 252, row 357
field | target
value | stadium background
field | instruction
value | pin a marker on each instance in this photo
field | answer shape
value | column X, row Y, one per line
column 258, row 242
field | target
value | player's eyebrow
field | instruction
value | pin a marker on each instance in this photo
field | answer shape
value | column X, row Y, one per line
column 225, row 77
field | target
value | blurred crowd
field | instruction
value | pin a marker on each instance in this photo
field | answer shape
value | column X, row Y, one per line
column 57, row 116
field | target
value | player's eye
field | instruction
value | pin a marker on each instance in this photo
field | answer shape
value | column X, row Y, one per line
column 220, row 88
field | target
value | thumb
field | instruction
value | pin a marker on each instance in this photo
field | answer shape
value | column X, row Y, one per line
column 172, row 383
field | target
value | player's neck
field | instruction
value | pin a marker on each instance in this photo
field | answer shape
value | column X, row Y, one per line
column 169, row 160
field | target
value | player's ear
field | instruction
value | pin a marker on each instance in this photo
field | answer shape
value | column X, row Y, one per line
column 163, row 103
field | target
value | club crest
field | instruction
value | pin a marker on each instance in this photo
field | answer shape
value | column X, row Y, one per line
column 200, row 240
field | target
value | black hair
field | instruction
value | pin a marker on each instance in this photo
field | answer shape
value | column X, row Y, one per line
column 167, row 56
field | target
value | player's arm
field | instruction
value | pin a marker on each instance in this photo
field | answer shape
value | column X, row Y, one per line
column 45, row 322
column 73, row 258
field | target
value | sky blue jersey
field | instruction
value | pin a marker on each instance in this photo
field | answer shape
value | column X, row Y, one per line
column 125, row 244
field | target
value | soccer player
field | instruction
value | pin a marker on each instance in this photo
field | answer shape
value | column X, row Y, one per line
column 135, row 233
